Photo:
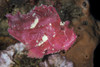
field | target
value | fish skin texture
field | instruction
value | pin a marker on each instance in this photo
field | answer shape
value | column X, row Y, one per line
column 40, row 30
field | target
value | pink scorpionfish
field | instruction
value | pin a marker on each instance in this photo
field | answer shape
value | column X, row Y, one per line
column 42, row 31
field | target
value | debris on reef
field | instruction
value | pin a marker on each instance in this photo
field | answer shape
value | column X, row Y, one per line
column 41, row 31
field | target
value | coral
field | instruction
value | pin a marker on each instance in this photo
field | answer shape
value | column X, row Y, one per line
column 7, row 56
column 42, row 31
column 56, row 60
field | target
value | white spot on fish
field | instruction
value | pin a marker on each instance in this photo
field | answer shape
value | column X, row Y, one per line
column 52, row 48
column 61, row 11
column 50, row 24
column 43, row 52
column 34, row 7
column 34, row 14
column 33, row 25
column 42, row 25
column 44, row 39
column 36, row 41
column 62, row 23
column 54, row 35
column 41, row 5
column 45, row 49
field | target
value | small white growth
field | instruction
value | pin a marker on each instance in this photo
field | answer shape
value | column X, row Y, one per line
column 45, row 49
column 33, row 25
column 44, row 39
column 50, row 24
column 62, row 23
column 34, row 7
column 34, row 14
column 19, row 47
column 37, row 41
column 54, row 35
column 42, row 25
column 41, row 5
column 61, row 11
column 43, row 52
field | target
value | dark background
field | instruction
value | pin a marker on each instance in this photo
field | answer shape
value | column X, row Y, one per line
column 95, row 11
column 95, row 8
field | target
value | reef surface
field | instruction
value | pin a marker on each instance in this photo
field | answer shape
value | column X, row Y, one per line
column 77, row 11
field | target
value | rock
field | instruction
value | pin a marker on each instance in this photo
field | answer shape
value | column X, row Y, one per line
column 3, row 8
column 86, row 28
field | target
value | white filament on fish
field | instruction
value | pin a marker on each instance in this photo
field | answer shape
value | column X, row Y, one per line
column 34, row 14
column 33, row 25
